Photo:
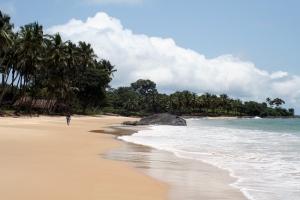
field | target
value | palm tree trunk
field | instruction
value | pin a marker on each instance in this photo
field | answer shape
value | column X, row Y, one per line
column 4, row 88
column 3, row 78
column 12, row 77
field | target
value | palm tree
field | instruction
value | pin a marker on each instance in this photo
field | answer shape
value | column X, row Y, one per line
column 30, row 48
column 236, row 106
column 87, row 55
column 59, row 61
column 5, row 31
column 45, row 66
column 110, row 69
column 278, row 102
column 269, row 101
column 5, row 42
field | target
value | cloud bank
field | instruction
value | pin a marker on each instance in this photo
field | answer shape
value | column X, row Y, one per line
column 176, row 68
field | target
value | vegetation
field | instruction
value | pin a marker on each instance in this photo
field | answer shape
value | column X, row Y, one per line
column 45, row 74
column 142, row 98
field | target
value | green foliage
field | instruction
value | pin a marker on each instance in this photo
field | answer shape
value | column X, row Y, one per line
column 277, row 102
column 142, row 98
column 44, row 73
column 38, row 69
column 144, row 87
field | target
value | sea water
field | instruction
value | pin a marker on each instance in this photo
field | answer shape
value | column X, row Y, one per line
column 263, row 154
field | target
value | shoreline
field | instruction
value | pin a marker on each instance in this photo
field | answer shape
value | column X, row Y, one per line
column 42, row 158
column 217, row 183
column 28, row 115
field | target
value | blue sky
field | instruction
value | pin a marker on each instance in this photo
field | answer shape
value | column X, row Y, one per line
column 247, row 49
column 265, row 32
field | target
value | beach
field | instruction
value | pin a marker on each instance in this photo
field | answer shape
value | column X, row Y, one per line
column 188, row 179
column 43, row 158
column 261, row 156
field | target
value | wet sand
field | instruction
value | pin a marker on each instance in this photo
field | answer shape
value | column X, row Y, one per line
column 42, row 158
column 188, row 179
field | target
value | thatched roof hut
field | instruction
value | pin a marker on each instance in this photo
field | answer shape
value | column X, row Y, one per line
column 41, row 104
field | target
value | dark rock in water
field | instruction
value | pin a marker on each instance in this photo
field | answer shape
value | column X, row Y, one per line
column 160, row 119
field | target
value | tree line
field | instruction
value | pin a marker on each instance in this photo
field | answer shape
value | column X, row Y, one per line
column 44, row 72
column 142, row 98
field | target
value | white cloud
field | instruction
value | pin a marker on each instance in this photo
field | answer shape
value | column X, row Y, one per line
column 115, row 1
column 173, row 67
column 279, row 74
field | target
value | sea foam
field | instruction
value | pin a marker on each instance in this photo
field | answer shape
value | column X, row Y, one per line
column 265, row 163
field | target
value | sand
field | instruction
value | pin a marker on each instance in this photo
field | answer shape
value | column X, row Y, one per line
column 42, row 158
column 188, row 179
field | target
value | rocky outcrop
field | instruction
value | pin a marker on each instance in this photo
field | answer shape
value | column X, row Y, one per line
column 159, row 119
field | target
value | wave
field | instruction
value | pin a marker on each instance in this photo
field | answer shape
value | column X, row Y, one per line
column 266, row 164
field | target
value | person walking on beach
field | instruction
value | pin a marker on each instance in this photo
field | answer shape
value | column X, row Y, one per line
column 68, row 118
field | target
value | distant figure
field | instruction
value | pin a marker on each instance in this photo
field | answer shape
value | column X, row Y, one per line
column 68, row 118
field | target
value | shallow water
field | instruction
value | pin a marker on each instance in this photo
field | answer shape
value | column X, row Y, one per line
column 264, row 154
column 188, row 179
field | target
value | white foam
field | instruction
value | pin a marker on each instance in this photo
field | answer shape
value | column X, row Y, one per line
column 267, row 164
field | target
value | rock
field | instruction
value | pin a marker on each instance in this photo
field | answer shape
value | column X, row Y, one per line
column 131, row 123
column 160, row 119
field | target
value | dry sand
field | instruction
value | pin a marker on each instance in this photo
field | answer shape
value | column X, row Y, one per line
column 43, row 159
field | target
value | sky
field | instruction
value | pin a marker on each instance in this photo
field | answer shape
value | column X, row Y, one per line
column 248, row 49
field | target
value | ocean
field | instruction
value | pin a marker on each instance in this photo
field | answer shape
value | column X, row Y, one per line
column 262, row 154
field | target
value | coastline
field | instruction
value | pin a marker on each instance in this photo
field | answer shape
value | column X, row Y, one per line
column 188, row 179
column 42, row 158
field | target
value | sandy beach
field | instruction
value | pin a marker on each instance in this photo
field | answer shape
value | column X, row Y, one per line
column 42, row 158
column 188, row 179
